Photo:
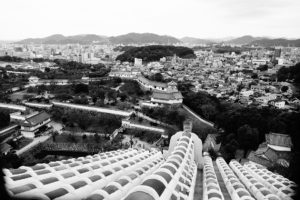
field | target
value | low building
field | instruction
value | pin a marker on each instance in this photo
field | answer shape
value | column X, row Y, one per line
column 276, row 147
column 171, row 98
column 32, row 125
column 151, row 85
column 35, row 81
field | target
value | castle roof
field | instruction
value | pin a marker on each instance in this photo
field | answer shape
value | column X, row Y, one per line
column 166, row 95
column 149, row 82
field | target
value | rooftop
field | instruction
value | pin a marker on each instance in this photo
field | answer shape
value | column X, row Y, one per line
column 36, row 119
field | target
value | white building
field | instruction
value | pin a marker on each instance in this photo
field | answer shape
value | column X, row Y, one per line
column 138, row 62
column 32, row 124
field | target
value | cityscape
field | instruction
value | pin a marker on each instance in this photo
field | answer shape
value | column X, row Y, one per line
column 207, row 109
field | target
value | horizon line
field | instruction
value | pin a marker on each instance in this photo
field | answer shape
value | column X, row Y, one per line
column 204, row 38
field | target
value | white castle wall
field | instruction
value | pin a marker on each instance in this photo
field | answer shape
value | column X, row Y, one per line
column 92, row 108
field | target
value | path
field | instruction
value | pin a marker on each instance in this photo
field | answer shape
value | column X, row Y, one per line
column 197, row 116
column 221, row 182
column 35, row 142
column 92, row 108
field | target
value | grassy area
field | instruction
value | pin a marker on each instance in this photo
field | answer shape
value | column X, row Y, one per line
column 66, row 138
column 20, row 95
column 143, row 135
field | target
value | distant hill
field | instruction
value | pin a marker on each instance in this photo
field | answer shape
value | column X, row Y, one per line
column 276, row 42
column 61, row 39
column 155, row 52
column 143, row 38
column 150, row 38
column 244, row 40
column 130, row 38
column 192, row 40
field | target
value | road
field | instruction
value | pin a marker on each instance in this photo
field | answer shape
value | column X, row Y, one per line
column 35, row 142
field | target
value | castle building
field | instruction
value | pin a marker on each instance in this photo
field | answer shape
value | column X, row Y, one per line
column 32, row 124
column 139, row 174
column 171, row 95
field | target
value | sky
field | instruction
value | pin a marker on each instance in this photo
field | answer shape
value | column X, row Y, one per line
column 22, row 19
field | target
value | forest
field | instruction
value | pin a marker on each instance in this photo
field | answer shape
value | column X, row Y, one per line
column 155, row 52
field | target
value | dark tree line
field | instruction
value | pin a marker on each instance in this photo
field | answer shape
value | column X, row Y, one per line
column 165, row 114
column 155, row 52
column 243, row 127
column 4, row 118
column 87, row 121
column 289, row 73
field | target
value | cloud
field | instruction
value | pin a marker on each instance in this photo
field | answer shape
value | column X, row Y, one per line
column 198, row 18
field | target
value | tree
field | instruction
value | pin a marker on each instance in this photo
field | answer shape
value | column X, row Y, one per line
column 263, row 68
column 100, row 103
column 4, row 119
column 72, row 138
column 63, row 97
column 248, row 138
column 81, row 100
column 47, row 69
column 123, row 105
column 155, row 52
column 54, row 134
column 157, row 77
column 239, row 87
column 254, row 76
column 81, row 88
column 229, row 149
column 284, row 88
column 208, row 111
column 290, row 73
column 97, row 93
column 97, row 137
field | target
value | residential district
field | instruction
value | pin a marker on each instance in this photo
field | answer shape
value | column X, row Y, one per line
column 77, row 123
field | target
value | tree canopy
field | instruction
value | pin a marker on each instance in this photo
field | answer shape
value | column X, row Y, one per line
column 4, row 119
column 289, row 73
column 155, row 52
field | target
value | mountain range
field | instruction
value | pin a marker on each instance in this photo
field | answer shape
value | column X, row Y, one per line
column 130, row 38
column 247, row 39
column 150, row 38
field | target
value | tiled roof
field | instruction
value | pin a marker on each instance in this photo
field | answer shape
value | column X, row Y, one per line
column 166, row 95
column 37, row 119
column 154, row 83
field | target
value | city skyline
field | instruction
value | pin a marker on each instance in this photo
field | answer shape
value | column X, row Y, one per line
column 193, row 18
